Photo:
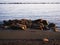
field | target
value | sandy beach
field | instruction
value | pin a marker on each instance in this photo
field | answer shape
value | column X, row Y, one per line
column 28, row 34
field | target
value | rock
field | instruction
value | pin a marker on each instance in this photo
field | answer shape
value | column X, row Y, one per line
column 24, row 24
column 45, row 22
column 23, row 27
column 38, row 21
column 41, row 26
column 52, row 26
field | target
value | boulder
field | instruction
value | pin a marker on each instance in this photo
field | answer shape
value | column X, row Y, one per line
column 52, row 26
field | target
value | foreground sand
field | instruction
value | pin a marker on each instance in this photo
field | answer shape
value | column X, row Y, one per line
column 28, row 34
column 31, row 37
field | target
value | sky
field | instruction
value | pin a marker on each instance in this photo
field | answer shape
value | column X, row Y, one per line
column 31, row 9
column 29, row 0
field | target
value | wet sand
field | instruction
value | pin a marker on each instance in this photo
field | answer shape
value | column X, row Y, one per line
column 33, row 37
column 28, row 34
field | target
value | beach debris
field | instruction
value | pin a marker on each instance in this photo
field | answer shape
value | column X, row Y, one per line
column 23, row 27
column 56, row 30
column 6, row 27
column 45, row 40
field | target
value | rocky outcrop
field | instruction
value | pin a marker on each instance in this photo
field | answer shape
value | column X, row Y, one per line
column 25, row 23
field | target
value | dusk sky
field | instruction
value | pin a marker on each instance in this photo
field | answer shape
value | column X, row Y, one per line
column 29, row 0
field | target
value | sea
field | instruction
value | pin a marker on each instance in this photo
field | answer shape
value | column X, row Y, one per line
column 49, row 12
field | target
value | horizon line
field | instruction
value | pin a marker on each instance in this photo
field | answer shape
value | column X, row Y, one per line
column 31, row 3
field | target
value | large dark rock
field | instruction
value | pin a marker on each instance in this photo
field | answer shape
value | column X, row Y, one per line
column 45, row 23
column 37, row 21
column 52, row 26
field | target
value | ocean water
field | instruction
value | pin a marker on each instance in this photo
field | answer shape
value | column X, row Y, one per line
column 50, row 12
